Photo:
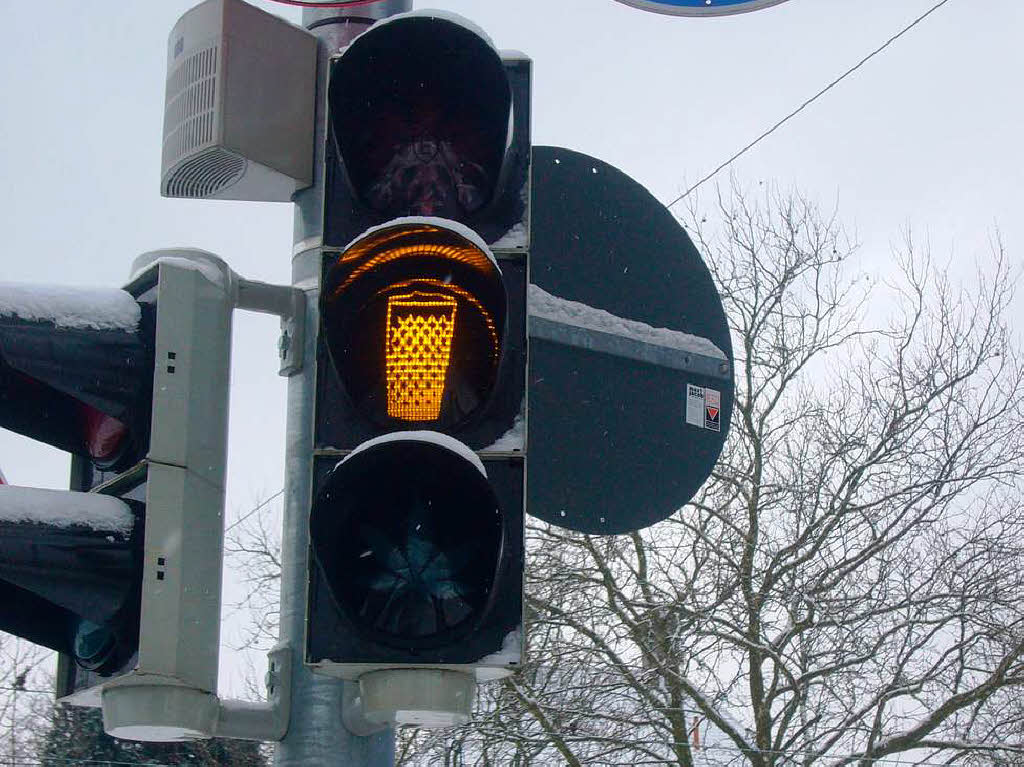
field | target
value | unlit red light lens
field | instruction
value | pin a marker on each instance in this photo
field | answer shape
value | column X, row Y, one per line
column 418, row 346
column 104, row 435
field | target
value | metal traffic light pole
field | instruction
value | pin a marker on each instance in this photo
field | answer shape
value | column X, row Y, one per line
column 316, row 735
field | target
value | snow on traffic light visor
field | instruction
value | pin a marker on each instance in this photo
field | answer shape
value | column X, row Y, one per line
column 76, row 370
column 414, row 318
column 408, row 534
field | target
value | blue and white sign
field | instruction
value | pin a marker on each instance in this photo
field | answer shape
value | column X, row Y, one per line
column 701, row 7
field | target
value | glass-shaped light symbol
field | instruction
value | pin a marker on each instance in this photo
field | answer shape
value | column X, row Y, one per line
column 414, row 321
column 418, row 346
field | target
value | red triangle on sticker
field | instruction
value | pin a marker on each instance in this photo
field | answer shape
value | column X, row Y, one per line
column 712, row 413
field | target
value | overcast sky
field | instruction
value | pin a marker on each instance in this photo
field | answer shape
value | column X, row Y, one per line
column 926, row 135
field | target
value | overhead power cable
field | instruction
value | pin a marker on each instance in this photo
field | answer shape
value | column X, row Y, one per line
column 237, row 522
column 29, row 690
column 808, row 102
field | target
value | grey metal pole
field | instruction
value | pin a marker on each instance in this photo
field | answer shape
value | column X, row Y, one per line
column 316, row 736
column 337, row 26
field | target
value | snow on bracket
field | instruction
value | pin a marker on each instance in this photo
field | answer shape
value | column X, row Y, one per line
column 574, row 324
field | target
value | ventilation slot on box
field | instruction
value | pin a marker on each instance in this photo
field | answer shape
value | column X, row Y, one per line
column 205, row 175
column 189, row 108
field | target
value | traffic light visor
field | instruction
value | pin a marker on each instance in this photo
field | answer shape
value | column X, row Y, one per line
column 76, row 370
column 414, row 318
column 408, row 535
column 70, row 572
column 420, row 108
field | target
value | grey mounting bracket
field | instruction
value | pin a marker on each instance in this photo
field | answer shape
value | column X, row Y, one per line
column 425, row 697
column 133, row 703
column 171, row 693
column 286, row 302
column 242, row 720
column 352, row 714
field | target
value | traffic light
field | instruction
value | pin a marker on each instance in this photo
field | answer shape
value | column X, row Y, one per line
column 76, row 372
column 416, row 519
column 125, row 577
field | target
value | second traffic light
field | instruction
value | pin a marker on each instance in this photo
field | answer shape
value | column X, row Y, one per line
column 124, row 579
column 76, row 372
column 416, row 520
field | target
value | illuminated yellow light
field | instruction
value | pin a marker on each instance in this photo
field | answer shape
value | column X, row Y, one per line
column 461, row 254
column 418, row 346
column 448, row 287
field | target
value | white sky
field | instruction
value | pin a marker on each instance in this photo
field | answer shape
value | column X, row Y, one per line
column 927, row 134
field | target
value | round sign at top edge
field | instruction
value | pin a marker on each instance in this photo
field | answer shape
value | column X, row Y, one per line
column 701, row 7
column 325, row 3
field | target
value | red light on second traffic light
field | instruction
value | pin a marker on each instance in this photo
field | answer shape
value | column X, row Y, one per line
column 104, row 436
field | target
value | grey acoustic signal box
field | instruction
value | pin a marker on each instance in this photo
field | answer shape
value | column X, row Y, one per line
column 238, row 115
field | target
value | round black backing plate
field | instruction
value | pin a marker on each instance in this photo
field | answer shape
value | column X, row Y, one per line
column 609, row 447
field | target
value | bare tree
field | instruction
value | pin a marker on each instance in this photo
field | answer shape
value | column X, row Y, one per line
column 253, row 549
column 849, row 585
column 24, row 697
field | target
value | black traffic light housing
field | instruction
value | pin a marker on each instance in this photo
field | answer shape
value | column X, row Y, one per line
column 418, row 555
column 76, row 372
column 416, row 521
column 427, row 133
column 403, row 282
column 78, row 381
column 129, row 486
column 73, row 588
column 425, row 503
column 427, row 119
column 429, row 258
